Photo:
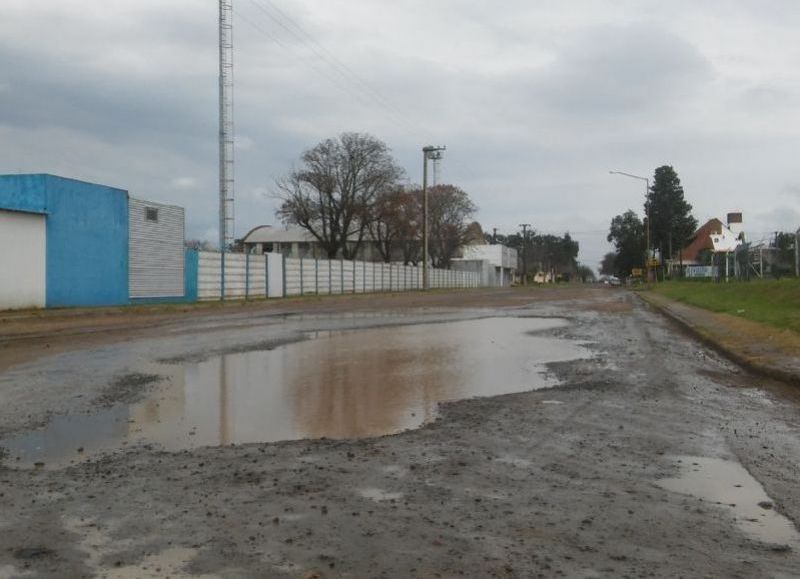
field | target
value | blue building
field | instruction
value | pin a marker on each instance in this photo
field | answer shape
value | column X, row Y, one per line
column 65, row 242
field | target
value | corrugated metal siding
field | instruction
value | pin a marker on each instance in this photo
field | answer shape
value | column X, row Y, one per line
column 156, row 250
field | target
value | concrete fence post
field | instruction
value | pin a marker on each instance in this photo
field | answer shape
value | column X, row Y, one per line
column 246, row 276
column 316, row 275
column 330, row 277
column 266, row 276
column 222, row 277
column 283, row 274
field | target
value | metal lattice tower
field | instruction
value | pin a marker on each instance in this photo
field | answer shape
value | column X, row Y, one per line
column 226, row 198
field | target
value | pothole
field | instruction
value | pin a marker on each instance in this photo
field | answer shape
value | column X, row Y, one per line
column 341, row 385
column 727, row 485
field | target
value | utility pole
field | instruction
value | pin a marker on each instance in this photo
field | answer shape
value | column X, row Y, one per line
column 524, row 252
column 226, row 197
column 646, row 212
column 797, row 253
column 429, row 152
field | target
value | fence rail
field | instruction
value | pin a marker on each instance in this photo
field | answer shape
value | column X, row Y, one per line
column 272, row 275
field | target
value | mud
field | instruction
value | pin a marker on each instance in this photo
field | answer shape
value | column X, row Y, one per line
column 126, row 389
column 561, row 481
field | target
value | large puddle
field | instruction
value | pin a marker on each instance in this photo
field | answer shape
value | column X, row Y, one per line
column 347, row 384
column 729, row 486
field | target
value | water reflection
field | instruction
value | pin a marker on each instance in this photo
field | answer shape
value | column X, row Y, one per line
column 347, row 384
column 728, row 485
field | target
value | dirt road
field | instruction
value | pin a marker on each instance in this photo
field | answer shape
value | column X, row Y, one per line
column 651, row 457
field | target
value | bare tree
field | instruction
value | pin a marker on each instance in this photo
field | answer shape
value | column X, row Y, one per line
column 396, row 226
column 333, row 194
column 449, row 211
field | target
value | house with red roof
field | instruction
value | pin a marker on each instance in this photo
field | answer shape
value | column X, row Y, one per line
column 712, row 237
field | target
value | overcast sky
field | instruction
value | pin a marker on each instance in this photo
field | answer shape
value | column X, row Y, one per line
column 536, row 100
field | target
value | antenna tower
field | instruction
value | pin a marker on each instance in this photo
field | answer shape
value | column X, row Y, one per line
column 226, row 223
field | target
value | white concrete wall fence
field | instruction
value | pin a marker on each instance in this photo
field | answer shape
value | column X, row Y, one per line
column 247, row 276
column 22, row 260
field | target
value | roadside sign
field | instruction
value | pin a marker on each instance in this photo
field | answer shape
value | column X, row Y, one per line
column 637, row 272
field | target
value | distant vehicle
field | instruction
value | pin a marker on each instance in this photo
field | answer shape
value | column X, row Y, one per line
column 611, row 280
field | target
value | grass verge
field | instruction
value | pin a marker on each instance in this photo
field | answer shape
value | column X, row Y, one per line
column 772, row 302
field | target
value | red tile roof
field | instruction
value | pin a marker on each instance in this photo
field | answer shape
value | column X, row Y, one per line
column 700, row 240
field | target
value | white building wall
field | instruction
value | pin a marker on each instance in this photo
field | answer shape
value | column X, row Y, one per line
column 22, row 260
column 498, row 255
column 726, row 240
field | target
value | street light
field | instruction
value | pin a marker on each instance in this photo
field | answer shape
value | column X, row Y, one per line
column 646, row 211
column 429, row 152
column 525, row 227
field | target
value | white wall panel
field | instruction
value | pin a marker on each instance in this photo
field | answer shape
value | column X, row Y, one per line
column 22, row 260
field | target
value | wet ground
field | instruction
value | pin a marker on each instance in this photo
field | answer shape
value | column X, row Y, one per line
column 506, row 434
column 336, row 384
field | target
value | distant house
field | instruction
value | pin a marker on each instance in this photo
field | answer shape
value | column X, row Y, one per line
column 712, row 237
column 296, row 242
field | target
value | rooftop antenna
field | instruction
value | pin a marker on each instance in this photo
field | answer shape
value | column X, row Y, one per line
column 226, row 222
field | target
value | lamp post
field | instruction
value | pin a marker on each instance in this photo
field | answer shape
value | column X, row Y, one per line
column 524, row 227
column 429, row 152
column 797, row 253
column 646, row 211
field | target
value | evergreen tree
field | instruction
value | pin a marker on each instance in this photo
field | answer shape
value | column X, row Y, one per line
column 628, row 236
column 671, row 220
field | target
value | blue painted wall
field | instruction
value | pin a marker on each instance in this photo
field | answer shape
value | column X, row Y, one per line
column 23, row 193
column 87, row 236
column 190, row 272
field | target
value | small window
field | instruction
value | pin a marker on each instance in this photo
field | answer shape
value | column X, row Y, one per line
column 151, row 214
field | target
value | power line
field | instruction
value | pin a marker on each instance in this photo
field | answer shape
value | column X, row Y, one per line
column 294, row 28
column 335, row 65
column 338, row 72
column 276, row 40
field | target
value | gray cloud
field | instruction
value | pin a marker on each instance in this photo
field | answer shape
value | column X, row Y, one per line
column 536, row 102
column 623, row 71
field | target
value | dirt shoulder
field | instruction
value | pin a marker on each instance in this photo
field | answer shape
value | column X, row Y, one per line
column 759, row 347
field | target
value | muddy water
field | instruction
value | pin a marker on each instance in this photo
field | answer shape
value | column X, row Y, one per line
column 346, row 384
column 728, row 485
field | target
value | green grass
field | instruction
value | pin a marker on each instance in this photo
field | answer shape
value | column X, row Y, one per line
column 772, row 302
